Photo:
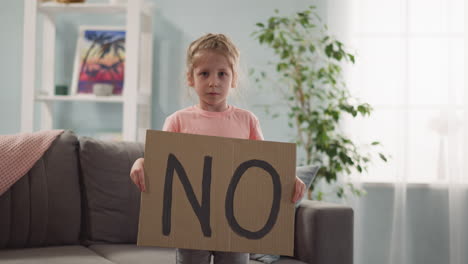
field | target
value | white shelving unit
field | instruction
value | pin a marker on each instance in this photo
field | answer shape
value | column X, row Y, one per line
column 136, row 98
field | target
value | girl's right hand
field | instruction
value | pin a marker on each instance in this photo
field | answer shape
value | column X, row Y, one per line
column 137, row 174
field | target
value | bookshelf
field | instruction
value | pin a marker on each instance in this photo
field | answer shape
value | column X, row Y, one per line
column 136, row 96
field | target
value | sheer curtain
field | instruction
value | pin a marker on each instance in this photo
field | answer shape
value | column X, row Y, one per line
column 410, row 68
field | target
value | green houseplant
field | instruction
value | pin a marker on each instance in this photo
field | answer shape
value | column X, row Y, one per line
column 308, row 68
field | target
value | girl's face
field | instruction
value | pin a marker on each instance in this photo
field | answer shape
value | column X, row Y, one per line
column 212, row 77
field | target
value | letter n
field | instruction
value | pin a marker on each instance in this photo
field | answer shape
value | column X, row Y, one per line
column 202, row 211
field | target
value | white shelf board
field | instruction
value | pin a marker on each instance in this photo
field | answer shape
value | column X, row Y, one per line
column 80, row 98
column 90, row 8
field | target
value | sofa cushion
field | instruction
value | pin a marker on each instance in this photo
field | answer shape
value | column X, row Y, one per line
column 307, row 175
column 43, row 207
column 52, row 255
column 111, row 200
column 133, row 254
column 324, row 233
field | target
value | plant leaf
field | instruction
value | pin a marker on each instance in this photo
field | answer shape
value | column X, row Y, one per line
column 382, row 157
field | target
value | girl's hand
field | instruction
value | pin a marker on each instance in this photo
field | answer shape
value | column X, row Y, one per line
column 299, row 190
column 137, row 174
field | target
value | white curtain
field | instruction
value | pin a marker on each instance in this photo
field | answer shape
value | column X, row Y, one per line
column 411, row 69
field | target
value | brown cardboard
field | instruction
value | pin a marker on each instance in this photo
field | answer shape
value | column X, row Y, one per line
column 252, row 200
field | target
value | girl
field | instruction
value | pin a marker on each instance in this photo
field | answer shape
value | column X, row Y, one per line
column 212, row 62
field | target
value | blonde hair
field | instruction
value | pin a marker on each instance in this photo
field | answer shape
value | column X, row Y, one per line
column 213, row 42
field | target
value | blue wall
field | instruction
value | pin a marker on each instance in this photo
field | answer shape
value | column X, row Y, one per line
column 176, row 24
column 11, row 28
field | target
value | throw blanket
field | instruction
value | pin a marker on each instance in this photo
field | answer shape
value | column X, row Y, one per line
column 18, row 153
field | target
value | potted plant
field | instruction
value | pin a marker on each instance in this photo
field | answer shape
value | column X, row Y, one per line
column 308, row 68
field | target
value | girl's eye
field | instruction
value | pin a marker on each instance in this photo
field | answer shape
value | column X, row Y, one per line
column 222, row 74
column 204, row 74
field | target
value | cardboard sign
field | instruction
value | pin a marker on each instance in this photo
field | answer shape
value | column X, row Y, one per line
column 215, row 193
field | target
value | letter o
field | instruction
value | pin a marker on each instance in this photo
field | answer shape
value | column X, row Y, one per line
column 229, row 205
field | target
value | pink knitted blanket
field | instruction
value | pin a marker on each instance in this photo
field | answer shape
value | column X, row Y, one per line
column 18, row 153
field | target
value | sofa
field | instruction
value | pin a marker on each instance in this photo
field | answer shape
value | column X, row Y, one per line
column 78, row 205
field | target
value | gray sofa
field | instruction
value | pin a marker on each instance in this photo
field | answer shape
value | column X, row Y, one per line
column 77, row 205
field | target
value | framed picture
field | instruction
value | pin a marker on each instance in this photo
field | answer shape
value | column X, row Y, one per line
column 99, row 60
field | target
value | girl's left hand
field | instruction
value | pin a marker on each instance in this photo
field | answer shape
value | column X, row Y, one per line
column 299, row 190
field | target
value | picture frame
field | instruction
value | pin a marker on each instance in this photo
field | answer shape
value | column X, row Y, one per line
column 99, row 59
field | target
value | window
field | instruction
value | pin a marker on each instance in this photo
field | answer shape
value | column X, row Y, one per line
column 410, row 68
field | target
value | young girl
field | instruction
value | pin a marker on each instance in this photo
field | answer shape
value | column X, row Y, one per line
column 212, row 62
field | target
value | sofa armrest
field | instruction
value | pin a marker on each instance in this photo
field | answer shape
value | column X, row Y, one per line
column 324, row 233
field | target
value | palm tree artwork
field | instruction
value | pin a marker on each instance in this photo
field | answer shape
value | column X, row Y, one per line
column 102, row 60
